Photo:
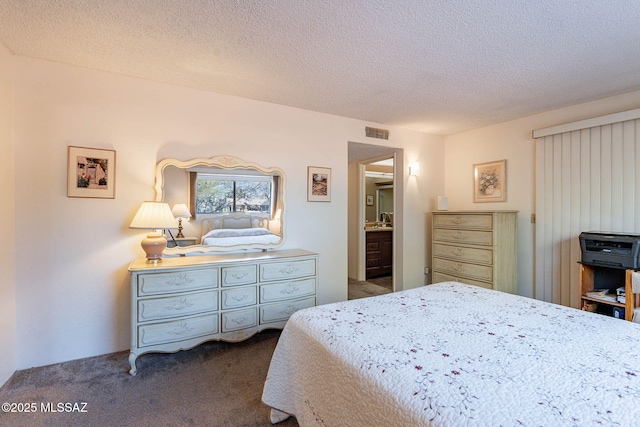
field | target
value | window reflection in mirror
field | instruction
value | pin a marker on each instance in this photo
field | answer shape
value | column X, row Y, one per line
column 218, row 193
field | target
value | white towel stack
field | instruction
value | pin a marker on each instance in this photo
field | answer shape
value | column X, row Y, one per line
column 635, row 282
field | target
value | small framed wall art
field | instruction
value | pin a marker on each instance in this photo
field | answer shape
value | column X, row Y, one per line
column 369, row 199
column 91, row 173
column 318, row 184
column 490, row 182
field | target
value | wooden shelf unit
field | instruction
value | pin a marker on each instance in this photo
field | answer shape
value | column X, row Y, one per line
column 603, row 277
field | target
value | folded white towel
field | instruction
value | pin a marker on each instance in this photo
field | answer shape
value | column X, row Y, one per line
column 635, row 282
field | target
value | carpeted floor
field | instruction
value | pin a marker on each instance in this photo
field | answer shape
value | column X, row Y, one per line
column 215, row 384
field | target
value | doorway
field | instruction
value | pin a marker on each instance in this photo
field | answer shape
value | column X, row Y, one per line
column 374, row 218
column 378, row 223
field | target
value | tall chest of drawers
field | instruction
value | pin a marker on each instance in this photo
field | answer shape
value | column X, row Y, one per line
column 476, row 247
column 181, row 302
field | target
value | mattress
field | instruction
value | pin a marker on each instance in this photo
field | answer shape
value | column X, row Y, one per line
column 451, row 354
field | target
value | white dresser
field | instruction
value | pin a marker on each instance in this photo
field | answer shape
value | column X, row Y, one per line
column 476, row 247
column 182, row 302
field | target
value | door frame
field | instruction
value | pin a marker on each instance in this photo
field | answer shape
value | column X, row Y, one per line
column 397, row 219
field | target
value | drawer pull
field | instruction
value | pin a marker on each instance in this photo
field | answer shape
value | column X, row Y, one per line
column 289, row 269
column 240, row 297
column 180, row 280
column 289, row 310
column 179, row 305
column 458, row 235
column 290, row 289
column 459, row 267
column 240, row 321
column 240, row 275
column 458, row 220
column 181, row 329
column 459, row 252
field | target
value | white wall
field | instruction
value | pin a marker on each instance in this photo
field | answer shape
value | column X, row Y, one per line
column 513, row 141
column 420, row 198
column 7, row 195
column 72, row 257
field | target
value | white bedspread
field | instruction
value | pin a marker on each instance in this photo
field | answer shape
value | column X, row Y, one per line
column 450, row 355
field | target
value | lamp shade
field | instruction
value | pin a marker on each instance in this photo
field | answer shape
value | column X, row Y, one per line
column 153, row 216
column 180, row 210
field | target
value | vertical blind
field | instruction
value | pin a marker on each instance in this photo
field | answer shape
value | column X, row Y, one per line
column 586, row 180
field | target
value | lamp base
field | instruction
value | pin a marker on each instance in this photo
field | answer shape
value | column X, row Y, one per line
column 153, row 245
column 180, row 235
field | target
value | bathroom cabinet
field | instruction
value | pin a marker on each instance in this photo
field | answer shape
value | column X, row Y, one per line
column 379, row 252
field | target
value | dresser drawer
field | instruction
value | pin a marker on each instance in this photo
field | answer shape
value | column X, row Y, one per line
column 475, row 221
column 442, row 277
column 178, row 281
column 287, row 290
column 474, row 271
column 240, row 297
column 242, row 275
column 183, row 305
column 287, row 270
column 280, row 312
column 241, row 319
column 177, row 330
column 462, row 253
column 373, row 246
column 463, row 236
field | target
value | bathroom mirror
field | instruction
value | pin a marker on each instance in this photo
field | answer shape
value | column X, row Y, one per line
column 384, row 196
column 247, row 214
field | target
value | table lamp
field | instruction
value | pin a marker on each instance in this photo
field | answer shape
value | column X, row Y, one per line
column 155, row 216
column 180, row 210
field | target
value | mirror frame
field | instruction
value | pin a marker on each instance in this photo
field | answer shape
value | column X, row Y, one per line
column 223, row 162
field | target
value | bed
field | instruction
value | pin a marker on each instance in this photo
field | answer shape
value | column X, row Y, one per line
column 451, row 354
column 237, row 228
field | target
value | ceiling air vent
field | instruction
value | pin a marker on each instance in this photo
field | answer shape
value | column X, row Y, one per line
column 376, row 133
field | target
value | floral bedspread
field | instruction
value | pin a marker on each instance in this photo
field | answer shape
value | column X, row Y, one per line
column 451, row 354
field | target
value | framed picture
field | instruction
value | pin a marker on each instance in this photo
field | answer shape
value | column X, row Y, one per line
column 490, row 182
column 318, row 184
column 369, row 199
column 91, row 173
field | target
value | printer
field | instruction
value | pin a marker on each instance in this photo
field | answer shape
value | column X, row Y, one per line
column 608, row 249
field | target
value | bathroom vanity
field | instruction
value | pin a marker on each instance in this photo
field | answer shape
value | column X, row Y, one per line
column 379, row 251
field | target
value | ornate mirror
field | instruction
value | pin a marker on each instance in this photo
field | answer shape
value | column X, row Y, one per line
column 231, row 205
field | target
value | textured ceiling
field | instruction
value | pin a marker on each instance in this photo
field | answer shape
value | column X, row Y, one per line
column 437, row 66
